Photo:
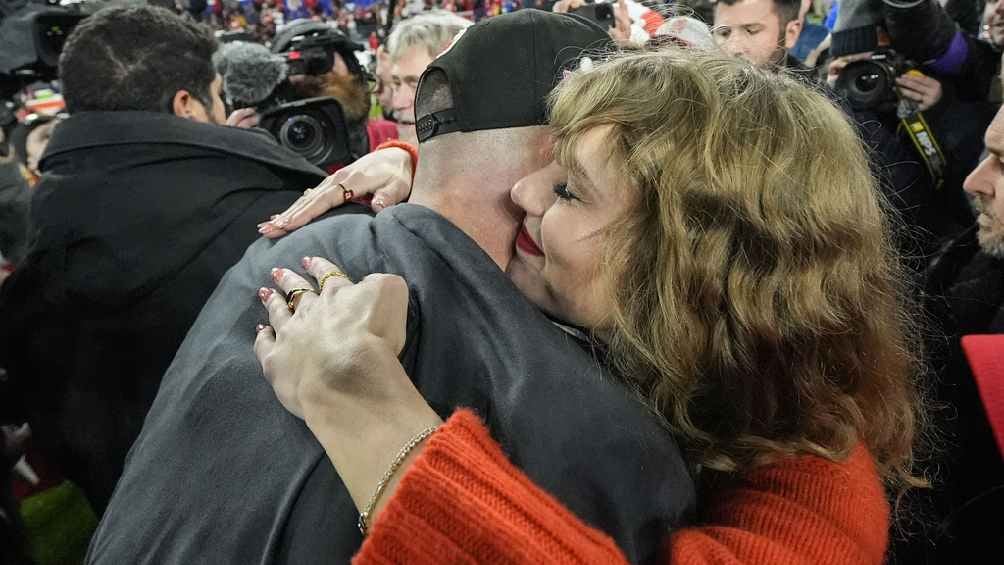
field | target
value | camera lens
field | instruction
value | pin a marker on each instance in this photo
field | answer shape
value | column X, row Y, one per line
column 305, row 135
column 867, row 82
column 301, row 134
column 867, row 85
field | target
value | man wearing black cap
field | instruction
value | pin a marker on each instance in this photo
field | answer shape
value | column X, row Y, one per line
column 222, row 473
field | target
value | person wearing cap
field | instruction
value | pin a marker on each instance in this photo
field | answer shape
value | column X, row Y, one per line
column 222, row 473
column 455, row 496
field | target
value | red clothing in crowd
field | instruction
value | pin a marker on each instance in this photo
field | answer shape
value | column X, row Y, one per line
column 462, row 501
column 380, row 130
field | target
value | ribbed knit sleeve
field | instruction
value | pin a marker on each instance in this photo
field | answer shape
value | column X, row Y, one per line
column 805, row 510
column 462, row 501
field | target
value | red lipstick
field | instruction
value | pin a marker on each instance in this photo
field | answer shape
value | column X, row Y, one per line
column 526, row 244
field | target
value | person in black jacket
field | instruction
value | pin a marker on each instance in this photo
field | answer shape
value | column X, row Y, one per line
column 14, row 202
column 221, row 473
column 964, row 294
column 144, row 204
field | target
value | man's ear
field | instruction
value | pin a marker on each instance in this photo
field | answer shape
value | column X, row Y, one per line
column 791, row 33
column 181, row 105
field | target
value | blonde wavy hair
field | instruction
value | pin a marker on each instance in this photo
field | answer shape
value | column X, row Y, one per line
column 759, row 305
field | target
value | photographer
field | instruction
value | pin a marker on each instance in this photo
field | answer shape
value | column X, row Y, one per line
column 924, row 32
column 308, row 60
column 908, row 69
column 143, row 204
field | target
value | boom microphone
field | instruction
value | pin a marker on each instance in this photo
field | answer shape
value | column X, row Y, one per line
column 250, row 72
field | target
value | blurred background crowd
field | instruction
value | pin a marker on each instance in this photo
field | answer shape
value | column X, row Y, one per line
column 332, row 81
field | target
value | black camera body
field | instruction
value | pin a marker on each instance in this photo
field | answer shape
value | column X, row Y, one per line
column 314, row 128
column 871, row 84
column 309, row 48
column 600, row 12
column 31, row 40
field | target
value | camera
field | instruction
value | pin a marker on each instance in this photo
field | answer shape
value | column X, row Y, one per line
column 871, row 84
column 33, row 38
column 602, row 13
column 313, row 128
column 309, row 48
column 285, row 85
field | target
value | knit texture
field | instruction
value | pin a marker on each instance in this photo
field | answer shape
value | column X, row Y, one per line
column 462, row 501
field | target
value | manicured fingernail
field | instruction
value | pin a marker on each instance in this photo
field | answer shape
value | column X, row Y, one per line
column 378, row 204
column 276, row 274
column 259, row 328
column 306, row 262
column 264, row 294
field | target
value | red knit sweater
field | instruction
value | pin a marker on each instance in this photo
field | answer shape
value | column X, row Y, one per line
column 462, row 501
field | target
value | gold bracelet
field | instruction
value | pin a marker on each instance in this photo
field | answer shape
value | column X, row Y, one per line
column 364, row 516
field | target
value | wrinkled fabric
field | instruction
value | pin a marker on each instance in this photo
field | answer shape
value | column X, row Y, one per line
column 134, row 222
column 221, row 473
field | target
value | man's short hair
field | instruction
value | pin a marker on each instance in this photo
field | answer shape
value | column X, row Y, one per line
column 787, row 10
column 136, row 58
column 431, row 31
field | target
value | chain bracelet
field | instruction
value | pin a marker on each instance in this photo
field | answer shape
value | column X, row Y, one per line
column 364, row 516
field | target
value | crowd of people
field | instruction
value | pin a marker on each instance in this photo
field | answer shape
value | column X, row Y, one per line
column 506, row 282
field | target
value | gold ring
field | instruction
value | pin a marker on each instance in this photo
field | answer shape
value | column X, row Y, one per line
column 347, row 193
column 293, row 298
column 335, row 273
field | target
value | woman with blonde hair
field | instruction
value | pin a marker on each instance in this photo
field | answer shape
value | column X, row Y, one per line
column 715, row 229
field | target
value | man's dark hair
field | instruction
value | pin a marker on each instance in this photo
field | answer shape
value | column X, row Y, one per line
column 787, row 10
column 136, row 58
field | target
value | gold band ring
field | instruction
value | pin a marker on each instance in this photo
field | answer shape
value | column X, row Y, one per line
column 324, row 279
column 293, row 298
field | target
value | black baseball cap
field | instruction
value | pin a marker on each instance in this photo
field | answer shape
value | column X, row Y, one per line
column 501, row 70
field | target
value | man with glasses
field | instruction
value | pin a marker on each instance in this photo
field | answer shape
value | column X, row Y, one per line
column 412, row 45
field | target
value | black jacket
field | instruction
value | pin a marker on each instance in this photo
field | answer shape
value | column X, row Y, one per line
column 137, row 217
column 14, row 202
column 221, row 473
column 964, row 295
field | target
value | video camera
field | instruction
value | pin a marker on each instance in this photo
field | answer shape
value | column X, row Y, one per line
column 600, row 12
column 315, row 128
column 32, row 36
